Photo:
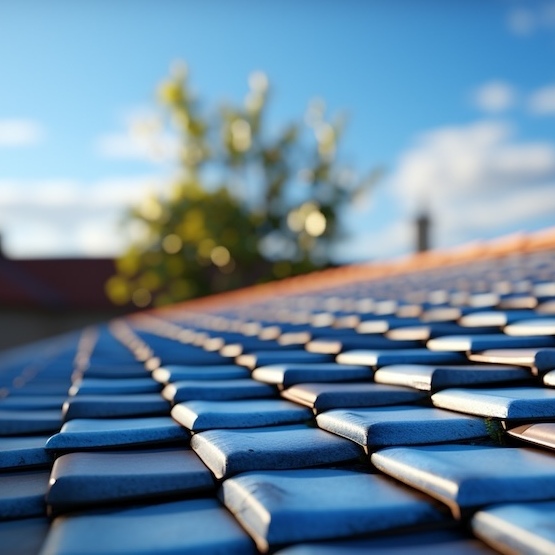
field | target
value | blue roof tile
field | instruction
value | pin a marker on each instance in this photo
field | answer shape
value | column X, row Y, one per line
column 164, row 416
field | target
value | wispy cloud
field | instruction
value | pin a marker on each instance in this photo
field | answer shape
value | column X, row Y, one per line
column 476, row 179
column 142, row 138
column 542, row 101
column 494, row 96
column 529, row 17
column 521, row 21
column 60, row 217
column 20, row 132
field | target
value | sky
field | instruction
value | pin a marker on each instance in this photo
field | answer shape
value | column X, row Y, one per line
column 455, row 100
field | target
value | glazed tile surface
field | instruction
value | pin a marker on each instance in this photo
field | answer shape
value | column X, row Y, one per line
column 403, row 408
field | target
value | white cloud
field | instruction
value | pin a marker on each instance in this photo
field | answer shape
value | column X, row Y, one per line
column 494, row 97
column 20, row 132
column 526, row 19
column 521, row 21
column 64, row 217
column 477, row 181
column 143, row 138
column 127, row 146
column 542, row 101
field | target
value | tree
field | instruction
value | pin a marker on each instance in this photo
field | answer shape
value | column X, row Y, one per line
column 248, row 205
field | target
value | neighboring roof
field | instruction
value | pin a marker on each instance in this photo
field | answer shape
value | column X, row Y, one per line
column 402, row 407
column 54, row 283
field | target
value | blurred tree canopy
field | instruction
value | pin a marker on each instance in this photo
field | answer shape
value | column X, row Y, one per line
column 248, row 205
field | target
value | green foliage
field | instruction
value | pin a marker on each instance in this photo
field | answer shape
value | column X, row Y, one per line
column 248, row 205
column 495, row 431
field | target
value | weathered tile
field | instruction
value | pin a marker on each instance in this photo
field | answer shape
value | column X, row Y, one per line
column 506, row 402
column 544, row 290
column 35, row 402
column 228, row 452
column 539, row 433
column 115, row 406
column 198, row 526
column 267, row 358
column 217, row 390
column 216, row 340
column 23, row 536
column 41, row 388
column 323, row 396
column 445, row 313
column 518, row 528
column 436, row 542
column 82, row 479
column 113, row 386
column 196, row 356
column 83, row 433
column 111, row 370
column 401, row 425
column 250, row 345
column 469, row 476
column 173, row 373
column 540, row 360
column 23, row 452
column 352, row 341
column 251, row 413
column 546, row 308
column 537, row 326
column 294, row 373
column 280, row 507
column 473, row 343
column 433, row 377
column 403, row 356
column 18, row 422
column 295, row 337
column 382, row 325
column 549, row 378
column 426, row 331
column 170, row 351
column 517, row 301
column 483, row 300
column 22, row 493
column 498, row 318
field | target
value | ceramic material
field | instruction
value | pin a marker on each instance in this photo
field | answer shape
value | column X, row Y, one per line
column 291, row 374
column 469, row 476
column 401, row 425
column 228, row 452
column 279, row 507
column 506, row 403
column 206, row 415
column 81, row 479
column 323, row 396
column 434, row 377
column 217, row 390
column 522, row 528
column 84, row 434
column 199, row 526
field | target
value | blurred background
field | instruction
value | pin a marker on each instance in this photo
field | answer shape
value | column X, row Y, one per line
column 151, row 151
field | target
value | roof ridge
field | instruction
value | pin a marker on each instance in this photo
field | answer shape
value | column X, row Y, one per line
column 511, row 244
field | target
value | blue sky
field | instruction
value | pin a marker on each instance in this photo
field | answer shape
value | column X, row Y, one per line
column 455, row 99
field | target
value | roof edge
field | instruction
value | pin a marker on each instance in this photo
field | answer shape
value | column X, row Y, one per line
column 513, row 244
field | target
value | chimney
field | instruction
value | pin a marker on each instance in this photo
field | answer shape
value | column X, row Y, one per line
column 423, row 223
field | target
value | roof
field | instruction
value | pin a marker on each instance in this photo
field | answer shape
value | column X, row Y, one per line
column 55, row 283
column 402, row 407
